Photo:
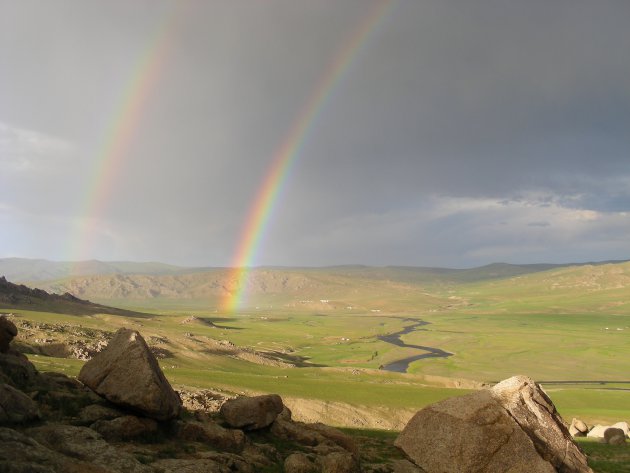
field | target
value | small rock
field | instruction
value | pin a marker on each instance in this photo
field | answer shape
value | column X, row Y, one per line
column 95, row 412
column 338, row 462
column 213, row 434
column 614, row 436
column 578, row 428
column 15, row 406
column 336, row 436
column 597, row 432
column 296, row 432
column 252, row 413
column 125, row 428
column 299, row 463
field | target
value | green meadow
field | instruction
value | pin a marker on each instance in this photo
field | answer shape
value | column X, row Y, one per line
column 567, row 328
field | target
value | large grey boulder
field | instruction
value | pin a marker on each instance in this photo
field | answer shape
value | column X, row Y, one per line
column 251, row 413
column 511, row 427
column 127, row 374
column 536, row 414
column 15, row 406
column 299, row 463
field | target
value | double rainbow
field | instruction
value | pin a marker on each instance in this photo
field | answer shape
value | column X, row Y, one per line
column 286, row 155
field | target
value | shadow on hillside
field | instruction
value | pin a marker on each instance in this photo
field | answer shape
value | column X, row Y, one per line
column 210, row 322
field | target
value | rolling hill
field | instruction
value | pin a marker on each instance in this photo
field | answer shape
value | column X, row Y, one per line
column 499, row 286
column 14, row 296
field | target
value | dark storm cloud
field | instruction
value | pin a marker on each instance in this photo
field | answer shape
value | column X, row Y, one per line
column 462, row 132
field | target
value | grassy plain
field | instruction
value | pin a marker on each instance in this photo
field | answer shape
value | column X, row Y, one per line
column 567, row 328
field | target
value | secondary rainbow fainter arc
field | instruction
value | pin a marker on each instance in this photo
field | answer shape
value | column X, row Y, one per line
column 122, row 128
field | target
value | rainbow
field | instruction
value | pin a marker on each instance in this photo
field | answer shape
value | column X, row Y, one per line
column 286, row 154
column 119, row 134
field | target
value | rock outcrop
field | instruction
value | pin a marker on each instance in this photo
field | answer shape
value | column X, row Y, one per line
column 63, row 426
column 127, row 374
column 511, row 427
column 134, row 425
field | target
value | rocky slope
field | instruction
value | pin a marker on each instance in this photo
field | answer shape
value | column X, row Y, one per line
column 123, row 416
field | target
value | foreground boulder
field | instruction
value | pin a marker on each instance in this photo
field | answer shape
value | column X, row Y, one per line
column 536, row 414
column 252, row 413
column 127, row 374
column 512, row 427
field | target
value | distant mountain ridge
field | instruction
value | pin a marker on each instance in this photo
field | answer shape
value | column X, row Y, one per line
column 33, row 270
column 361, row 287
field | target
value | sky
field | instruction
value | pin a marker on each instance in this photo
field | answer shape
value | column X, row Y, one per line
column 454, row 133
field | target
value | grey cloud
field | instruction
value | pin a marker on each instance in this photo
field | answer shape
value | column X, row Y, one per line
column 519, row 106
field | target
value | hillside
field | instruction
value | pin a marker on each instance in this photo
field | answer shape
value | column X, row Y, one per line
column 361, row 287
column 34, row 270
column 16, row 296
column 587, row 288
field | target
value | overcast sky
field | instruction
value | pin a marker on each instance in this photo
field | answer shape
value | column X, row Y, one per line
column 463, row 132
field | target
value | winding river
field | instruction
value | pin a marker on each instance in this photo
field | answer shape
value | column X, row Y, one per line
column 402, row 365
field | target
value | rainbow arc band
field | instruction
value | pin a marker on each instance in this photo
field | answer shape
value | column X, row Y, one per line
column 122, row 127
column 285, row 157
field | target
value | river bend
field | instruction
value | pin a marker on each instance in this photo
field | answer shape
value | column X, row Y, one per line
column 402, row 365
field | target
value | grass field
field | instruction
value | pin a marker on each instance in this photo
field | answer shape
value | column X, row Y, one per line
column 346, row 355
column 568, row 328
